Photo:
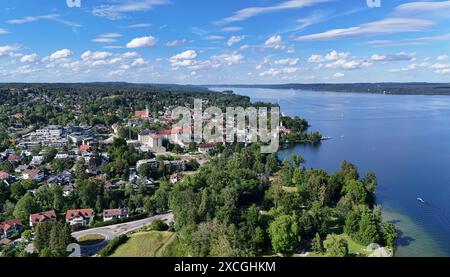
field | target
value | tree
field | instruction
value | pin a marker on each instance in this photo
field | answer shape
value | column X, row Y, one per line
column 369, row 228
column 145, row 170
column 316, row 244
column 158, row 225
column 351, row 226
column 87, row 192
column 390, row 234
column 25, row 206
column 336, row 246
column 356, row 190
column 49, row 154
column 272, row 164
column 284, row 234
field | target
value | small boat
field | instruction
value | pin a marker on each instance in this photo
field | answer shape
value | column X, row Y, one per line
column 421, row 200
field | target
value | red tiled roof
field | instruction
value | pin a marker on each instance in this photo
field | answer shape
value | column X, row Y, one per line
column 6, row 225
column 84, row 148
column 42, row 216
column 141, row 114
column 115, row 212
column 71, row 214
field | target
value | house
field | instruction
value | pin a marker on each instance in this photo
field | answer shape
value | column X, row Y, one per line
column 150, row 139
column 144, row 114
column 48, row 216
column 14, row 158
column 9, row 227
column 115, row 214
column 205, row 147
column 84, row 148
column 67, row 190
column 79, row 216
column 33, row 174
column 37, row 160
column 21, row 168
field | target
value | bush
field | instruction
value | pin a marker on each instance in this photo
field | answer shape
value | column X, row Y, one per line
column 113, row 245
column 159, row 225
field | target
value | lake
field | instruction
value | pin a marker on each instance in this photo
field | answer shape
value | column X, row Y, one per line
column 404, row 139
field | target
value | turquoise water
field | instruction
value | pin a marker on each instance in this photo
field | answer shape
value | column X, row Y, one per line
column 404, row 139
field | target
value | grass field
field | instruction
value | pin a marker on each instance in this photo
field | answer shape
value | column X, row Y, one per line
column 150, row 244
column 91, row 239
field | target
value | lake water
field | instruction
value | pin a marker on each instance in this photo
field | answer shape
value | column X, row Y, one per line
column 404, row 139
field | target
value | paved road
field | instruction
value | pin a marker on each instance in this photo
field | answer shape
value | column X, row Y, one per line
column 110, row 232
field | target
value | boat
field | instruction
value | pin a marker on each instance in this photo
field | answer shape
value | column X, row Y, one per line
column 421, row 200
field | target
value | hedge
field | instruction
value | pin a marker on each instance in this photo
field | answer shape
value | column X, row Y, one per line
column 113, row 245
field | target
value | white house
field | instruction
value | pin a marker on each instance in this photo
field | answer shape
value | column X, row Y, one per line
column 115, row 214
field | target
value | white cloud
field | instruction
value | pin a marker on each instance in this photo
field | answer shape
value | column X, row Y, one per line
column 235, row 39
column 140, row 25
column 148, row 41
column 228, row 59
column 177, row 42
column 3, row 31
column 382, row 27
column 213, row 37
column 8, row 50
column 331, row 56
column 441, row 68
column 393, row 57
column 231, row 29
column 348, row 64
column 60, row 54
column 29, row 58
column 275, row 42
column 52, row 17
column 288, row 61
column 338, row 75
column 139, row 62
column 255, row 11
column 442, row 58
column 130, row 54
column 97, row 55
column 187, row 58
column 271, row 72
column 119, row 10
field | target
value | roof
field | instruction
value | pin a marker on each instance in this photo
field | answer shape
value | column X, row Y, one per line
column 206, row 145
column 13, row 157
column 32, row 173
column 6, row 225
column 5, row 241
column 71, row 214
column 42, row 216
column 146, row 132
column 84, row 148
column 141, row 114
column 115, row 212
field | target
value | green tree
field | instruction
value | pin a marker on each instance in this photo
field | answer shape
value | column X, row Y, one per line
column 316, row 244
column 25, row 206
column 336, row 246
column 284, row 234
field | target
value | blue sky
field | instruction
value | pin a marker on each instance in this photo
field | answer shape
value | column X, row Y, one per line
column 212, row 42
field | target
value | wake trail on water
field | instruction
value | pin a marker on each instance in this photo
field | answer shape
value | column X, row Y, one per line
column 441, row 215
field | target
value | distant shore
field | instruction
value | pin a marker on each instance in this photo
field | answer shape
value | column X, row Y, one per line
column 369, row 88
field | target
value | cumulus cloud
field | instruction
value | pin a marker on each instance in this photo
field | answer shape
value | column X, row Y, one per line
column 442, row 58
column 148, row 41
column 138, row 62
column 60, row 54
column 338, row 75
column 29, row 58
column 97, row 55
column 275, row 42
column 185, row 58
column 235, row 39
column 228, row 59
column 331, row 56
column 8, row 50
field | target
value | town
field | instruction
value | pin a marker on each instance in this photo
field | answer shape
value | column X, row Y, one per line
column 106, row 166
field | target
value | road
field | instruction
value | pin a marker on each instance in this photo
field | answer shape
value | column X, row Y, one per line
column 110, row 232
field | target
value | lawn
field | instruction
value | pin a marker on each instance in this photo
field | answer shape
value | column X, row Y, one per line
column 150, row 244
column 91, row 239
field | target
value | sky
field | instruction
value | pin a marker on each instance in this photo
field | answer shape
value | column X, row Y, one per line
column 224, row 42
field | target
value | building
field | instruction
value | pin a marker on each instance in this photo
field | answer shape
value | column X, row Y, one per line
column 151, row 141
column 33, row 174
column 79, row 216
column 144, row 114
column 115, row 214
column 176, row 177
column 9, row 227
column 115, row 127
column 205, row 147
column 50, row 136
column 48, row 216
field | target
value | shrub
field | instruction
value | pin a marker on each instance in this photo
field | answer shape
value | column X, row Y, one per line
column 113, row 245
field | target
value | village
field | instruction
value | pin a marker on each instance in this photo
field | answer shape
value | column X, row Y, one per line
column 37, row 151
